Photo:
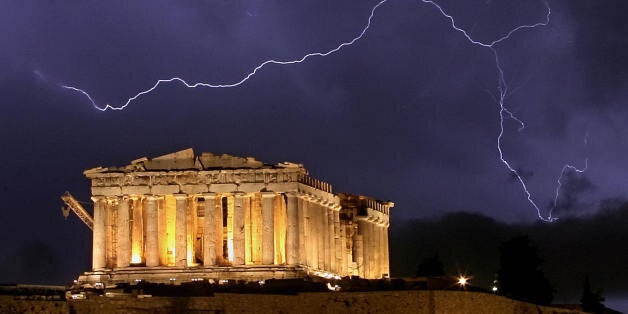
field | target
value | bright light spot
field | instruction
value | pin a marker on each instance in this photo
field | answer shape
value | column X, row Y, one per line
column 494, row 289
column 78, row 296
column 463, row 281
column 136, row 258
column 333, row 288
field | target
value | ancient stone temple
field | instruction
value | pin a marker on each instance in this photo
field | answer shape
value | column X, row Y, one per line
column 184, row 217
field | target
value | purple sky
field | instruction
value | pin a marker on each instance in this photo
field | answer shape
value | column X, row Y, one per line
column 407, row 113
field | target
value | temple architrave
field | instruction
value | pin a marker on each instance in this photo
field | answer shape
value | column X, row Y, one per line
column 182, row 217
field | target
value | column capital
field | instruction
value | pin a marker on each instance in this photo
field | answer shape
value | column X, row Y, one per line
column 112, row 200
column 151, row 197
column 180, row 196
column 239, row 193
column 304, row 196
column 268, row 194
column 331, row 205
column 135, row 196
column 208, row 194
column 98, row 198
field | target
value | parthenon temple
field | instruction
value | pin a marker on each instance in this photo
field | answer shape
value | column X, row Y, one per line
column 181, row 217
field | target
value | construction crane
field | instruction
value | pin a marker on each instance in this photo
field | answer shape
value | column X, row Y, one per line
column 77, row 208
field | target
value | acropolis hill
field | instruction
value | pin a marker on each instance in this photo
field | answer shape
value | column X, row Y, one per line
column 186, row 233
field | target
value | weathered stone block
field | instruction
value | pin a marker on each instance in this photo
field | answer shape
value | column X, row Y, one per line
column 283, row 187
column 194, row 188
column 178, row 160
column 106, row 190
column 251, row 187
column 222, row 188
column 210, row 161
column 164, row 189
column 136, row 190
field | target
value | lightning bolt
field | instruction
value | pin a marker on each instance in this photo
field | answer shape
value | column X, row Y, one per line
column 559, row 183
column 504, row 112
column 241, row 81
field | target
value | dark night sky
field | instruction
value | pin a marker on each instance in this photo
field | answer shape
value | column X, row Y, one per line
column 406, row 113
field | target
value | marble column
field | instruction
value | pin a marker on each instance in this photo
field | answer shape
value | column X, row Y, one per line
column 331, row 256
column 238, row 229
column 308, row 234
column 292, row 240
column 374, row 251
column 256, row 228
column 98, row 249
column 377, row 252
column 385, row 250
column 321, row 240
column 302, row 246
column 371, row 257
column 359, row 251
column 110, row 234
column 219, row 230
column 338, row 253
column 123, row 256
column 180, row 232
column 312, row 232
column 152, row 235
column 268, row 232
column 209, row 230
column 347, row 249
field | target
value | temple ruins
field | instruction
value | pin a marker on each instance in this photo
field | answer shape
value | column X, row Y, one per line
column 185, row 217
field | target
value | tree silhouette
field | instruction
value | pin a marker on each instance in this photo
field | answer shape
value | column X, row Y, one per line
column 430, row 266
column 519, row 272
column 591, row 302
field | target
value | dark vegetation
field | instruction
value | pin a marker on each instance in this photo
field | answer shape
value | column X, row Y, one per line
column 470, row 244
column 520, row 276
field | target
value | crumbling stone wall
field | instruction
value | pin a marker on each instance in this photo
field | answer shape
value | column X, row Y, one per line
column 312, row 302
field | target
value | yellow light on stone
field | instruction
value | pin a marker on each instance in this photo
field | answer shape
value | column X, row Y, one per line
column 171, row 212
column 190, row 231
column 280, row 228
column 136, row 258
column 137, row 232
column 230, row 209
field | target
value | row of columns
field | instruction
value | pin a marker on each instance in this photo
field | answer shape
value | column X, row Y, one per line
column 371, row 248
column 212, row 230
column 322, row 238
column 315, row 236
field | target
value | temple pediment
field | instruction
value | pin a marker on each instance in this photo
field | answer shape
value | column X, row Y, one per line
column 211, row 161
column 180, row 160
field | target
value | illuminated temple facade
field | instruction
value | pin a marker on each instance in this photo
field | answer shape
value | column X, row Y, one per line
column 183, row 217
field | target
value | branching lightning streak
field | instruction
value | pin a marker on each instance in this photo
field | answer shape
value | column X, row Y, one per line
column 241, row 81
column 559, row 183
column 504, row 112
